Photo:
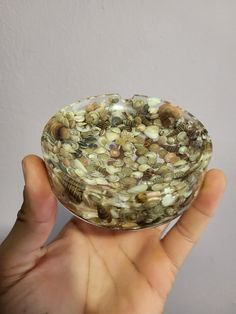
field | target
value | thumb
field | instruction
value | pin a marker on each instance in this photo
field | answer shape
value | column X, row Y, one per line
column 35, row 219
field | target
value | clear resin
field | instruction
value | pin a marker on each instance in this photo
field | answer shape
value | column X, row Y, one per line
column 125, row 163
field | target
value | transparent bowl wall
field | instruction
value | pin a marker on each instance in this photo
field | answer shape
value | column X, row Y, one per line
column 125, row 163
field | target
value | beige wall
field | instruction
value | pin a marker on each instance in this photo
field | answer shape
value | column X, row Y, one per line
column 55, row 51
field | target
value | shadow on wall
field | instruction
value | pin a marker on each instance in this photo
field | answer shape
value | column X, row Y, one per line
column 3, row 233
column 63, row 216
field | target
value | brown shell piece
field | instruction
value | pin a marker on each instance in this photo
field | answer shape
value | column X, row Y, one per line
column 114, row 152
column 104, row 213
column 168, row 111
column 92, row 107
column 59, row 131
column 141, row 197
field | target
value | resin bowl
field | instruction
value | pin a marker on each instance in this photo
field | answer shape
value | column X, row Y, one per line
column 125, row 163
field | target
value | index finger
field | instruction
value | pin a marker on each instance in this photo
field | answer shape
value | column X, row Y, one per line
column 185, row 233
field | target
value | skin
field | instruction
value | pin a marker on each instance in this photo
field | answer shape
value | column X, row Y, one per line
column 88, row 269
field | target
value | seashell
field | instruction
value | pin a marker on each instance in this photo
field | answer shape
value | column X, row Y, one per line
column 76, row 164
column 79, row 118
column 154, row 148
column 148, row 142
column 143, row 167
column 112, row 169
column 153, row 102
column 129, row 124
column 154, row 115
column 113, row 178
column 137, row 174
column 163, row 169
column 128, row 147
column 100, row 150
column 142, row 160
column 104, row 213
column 73, row 188
column 92, row 107
column 61, row 118
column 170, row 211
column 78, row 153
column 138, row 188
column 141, row 217
column 171, row 148
column 179, row 174
column 118, row 163
column 153, row 195
column 114, row 152
column 179, row 127
column 58, row 131
column 103, row 125
column 79, row 173
column 157, row 179
column 141, row 127
column 168, row 190
column 197, row 143
column 183, row 150
column 180, row 162
column 171, row 157
column 181, row 186
column 162, row 140
column 141, row 150
column 66, row 162
column 115, row 121
column 138, row 103
column 112, row 136
column 152, row 132
column 101, row 181
column 92, row 118
column 167, row 110
column 170, row 140
column 146, row 121
column 101, row 170
column 157, row 187
column 181, row 136
column 139, row 140
column 137, row 120
column 147, row 174
column 128, row 181
column 168, row 177
column 68, row 148
column 168, row 200
column 116, row 130
column 134, row 166
column 126, row 171
column 141, row 197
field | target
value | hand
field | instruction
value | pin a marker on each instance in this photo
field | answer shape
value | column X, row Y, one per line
column 91, row 270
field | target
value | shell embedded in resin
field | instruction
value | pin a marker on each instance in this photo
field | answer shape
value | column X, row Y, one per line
column 125, row 163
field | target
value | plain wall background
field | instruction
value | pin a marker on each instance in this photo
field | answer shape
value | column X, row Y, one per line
column 54, row 52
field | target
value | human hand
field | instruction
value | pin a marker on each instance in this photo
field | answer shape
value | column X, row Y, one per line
column 91, row 270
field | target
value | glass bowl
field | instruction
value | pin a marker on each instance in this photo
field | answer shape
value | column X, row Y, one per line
column 125, row 163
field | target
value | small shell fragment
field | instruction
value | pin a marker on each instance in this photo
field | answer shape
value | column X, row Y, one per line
column 152, row 132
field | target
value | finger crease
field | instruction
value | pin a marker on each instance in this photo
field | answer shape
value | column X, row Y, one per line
column 88, row 281
column 174, row 267
column 137, row 269
column 104, row 263
column 184, row 232
column 201, row 211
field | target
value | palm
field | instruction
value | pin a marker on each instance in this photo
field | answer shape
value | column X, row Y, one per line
column 95, row 271
column 91, row 270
